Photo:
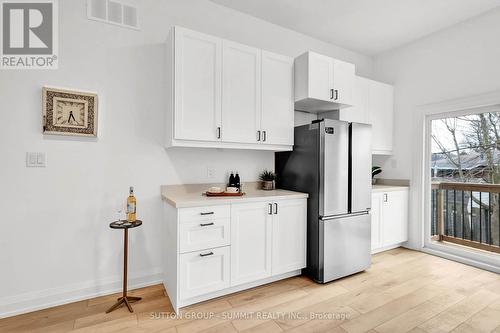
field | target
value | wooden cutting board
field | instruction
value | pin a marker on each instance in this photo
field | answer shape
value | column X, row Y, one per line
column 224, row 194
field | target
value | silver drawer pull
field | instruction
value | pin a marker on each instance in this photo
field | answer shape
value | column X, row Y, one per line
column 206, row 254
column 206, row 224
column 207, row 213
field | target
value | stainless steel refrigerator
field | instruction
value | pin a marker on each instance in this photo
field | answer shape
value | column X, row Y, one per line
column 331, row 161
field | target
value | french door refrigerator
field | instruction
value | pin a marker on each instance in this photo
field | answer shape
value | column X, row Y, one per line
column 331, row 161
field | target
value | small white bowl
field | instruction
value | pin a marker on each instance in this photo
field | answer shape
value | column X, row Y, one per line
column 215, row 189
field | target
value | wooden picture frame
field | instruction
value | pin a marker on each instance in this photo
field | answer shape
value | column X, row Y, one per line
column 68, row 112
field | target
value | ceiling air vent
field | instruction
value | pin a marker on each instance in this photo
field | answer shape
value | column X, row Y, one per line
column 121, row 13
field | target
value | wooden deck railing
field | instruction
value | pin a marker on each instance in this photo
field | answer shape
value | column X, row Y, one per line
column 467, row 214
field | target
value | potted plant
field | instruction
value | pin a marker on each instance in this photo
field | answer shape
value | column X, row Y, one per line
column 267, row 177
column 375, row 171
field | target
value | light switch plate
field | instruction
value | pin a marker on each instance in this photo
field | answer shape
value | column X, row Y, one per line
column 35, row 160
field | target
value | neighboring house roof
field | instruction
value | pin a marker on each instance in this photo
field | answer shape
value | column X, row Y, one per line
column 470, row 160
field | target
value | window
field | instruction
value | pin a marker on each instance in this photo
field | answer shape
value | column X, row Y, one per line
column 465, row 178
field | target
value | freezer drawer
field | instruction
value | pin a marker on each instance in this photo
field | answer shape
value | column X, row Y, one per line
column 346, row 245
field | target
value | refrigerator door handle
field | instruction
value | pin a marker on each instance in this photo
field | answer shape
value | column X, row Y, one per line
column 336, row 217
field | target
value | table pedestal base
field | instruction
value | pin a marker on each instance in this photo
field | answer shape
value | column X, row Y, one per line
column 124, row 300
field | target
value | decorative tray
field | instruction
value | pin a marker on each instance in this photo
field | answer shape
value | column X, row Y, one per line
column 223, row 194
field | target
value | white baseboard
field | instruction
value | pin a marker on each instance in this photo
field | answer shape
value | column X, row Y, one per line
column 387, row 248
column 38, row 300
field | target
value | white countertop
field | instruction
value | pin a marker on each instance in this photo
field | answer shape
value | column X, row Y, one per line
column 388, row 188
column 182, row 196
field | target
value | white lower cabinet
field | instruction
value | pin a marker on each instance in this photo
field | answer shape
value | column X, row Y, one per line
column 251, row 232
column 226, row 248
column 267, row 239
column 204, row 271
column 289, row 236
column 389, row 219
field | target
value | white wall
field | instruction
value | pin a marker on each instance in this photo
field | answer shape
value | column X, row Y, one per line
column 55, row 241
column 458, row 62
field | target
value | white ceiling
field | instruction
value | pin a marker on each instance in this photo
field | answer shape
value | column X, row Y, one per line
column 366, row 26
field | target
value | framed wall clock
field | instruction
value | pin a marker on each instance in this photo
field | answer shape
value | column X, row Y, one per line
column 67, row 112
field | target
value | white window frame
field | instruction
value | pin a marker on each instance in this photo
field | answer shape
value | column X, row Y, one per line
column 420, row 221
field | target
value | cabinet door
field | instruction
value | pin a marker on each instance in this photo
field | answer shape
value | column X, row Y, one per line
column 203, row 272
column 277, row 99
column 376, row 216
column 359, row 112
column 241, row 98
column 395, row 217
column 343, row 82
column 251, row 229
column 320, row 77
column 289, row 235
column 197, row 101
column 381, row 105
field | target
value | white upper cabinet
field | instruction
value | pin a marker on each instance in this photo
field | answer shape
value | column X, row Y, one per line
column 223, row 94
column 343, row 83
column 322, row 83
column 277, row 99
column 373, row 104
column 381, row 110
column 197, row 100
column 241, row 98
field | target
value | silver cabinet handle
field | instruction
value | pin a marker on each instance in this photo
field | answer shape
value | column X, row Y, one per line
column 218, row 132
column 331, row 93
column 258, row 135
column 275, row 208
column 336, row 94
column 206, row 224
column 270, row 209
column 207, row 213
column 206, row 254
column 264, row 135
column 385, row 197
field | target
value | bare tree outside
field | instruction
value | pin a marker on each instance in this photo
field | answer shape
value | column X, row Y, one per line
column 467, row 150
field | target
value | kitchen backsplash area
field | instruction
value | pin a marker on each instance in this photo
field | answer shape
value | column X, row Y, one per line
column 200, row 166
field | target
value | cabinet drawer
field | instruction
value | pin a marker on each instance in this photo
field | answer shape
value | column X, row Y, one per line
column 208, row 213
column 202, row 272
column 199, row 235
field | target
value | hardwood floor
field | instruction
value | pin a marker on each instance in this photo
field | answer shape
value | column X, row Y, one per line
column 403, row 291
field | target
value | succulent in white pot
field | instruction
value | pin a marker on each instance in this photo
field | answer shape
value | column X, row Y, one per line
column 267, row 178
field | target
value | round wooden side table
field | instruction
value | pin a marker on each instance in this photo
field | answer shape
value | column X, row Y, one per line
column 125, row 299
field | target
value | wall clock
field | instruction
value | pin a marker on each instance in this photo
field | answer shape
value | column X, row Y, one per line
column 67, row 112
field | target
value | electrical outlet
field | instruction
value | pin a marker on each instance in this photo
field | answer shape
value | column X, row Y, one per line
column 35, row 160
column 210, row 172
column 394, row 163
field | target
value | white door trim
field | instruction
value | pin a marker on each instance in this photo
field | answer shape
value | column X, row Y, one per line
column 421, row 184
